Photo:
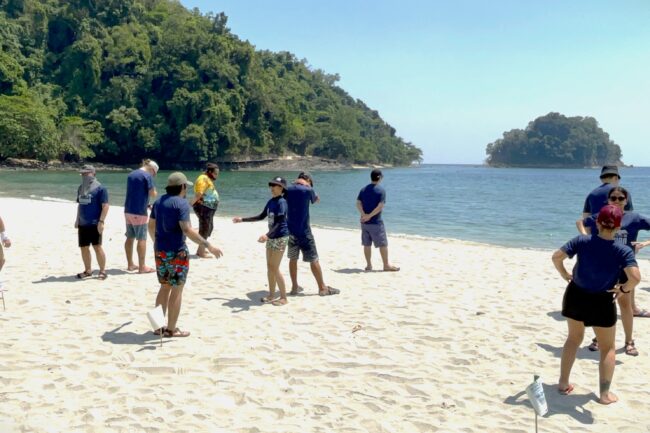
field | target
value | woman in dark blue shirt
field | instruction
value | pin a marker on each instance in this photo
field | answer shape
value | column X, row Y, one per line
column 589, row 299
column 276, row 238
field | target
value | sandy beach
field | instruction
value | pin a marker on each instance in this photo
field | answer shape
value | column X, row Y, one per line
column 447, row 344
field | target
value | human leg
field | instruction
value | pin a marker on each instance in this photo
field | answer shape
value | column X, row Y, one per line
column 293, row 252
column 270, row 276
column 101, row 258
column 606, row 340
column 627, row 316
column 162, row 298
column 85, row 257
column 367, row 252
column 384, row 257
column 128, row 250
column 2, row 257
column 274, row 258
column 174, row 306
column 574, row 339
column 366, row 241
column 142, row 255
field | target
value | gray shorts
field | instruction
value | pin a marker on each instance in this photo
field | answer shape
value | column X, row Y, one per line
column 138, row 232
column 304, row 244
column 374, row 233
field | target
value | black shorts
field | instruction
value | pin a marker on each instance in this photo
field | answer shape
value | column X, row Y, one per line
column 89, row 235
column 592, row 309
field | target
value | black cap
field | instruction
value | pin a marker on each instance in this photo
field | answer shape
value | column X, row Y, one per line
column 305, row 175
column 609, row 170
column 376, row 174
column 279, row 181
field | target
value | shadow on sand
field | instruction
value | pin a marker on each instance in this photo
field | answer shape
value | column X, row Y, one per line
column 148, row 340
column 73, row 278
column 558, row 404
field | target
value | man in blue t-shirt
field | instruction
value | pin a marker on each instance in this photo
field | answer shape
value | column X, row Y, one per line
column 169, row 224
column 299, row 196
column 370, row 203
column 597, row 198
column 139, row 188
column 91, row 215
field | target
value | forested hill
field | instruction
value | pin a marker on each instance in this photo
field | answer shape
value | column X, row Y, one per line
column 555, row 140
column 117, row 80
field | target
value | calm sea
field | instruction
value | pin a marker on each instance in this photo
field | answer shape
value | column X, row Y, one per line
column 531, row 208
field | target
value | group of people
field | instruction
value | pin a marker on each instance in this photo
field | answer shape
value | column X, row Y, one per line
column 167, row 222
column 605, row 273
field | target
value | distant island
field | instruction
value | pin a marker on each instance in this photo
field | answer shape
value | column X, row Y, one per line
column 116, row 81
column 555, row 140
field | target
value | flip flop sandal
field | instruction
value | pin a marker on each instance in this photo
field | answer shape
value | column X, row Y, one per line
column 643, row 313
column 85, row 274
column 330, row 291
column 630, row 349
column 176, row 333
column 159, row 331
column 102, row 276
column 267, row 299
column 593, row 347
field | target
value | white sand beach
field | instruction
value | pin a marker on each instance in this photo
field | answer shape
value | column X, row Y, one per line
column 448, row 344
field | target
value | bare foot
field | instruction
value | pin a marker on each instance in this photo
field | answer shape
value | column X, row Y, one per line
column 146, row 270
column 608, row 398
column 391, row 268
column 295, row 290
column 132, row 268
column 564, row 389
column 204, row 255
column 280, row 302
column 267, row 299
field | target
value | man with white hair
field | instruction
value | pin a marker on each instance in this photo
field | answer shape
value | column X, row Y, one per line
column 140, row 188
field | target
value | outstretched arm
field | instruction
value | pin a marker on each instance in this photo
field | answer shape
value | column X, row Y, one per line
column 194, row 236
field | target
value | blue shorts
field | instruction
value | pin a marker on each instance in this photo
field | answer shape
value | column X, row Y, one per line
column 374, row 233
column 304, row 244
column 138, row 232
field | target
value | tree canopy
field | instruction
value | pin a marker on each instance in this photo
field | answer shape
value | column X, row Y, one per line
column 555, row 140
column 117, row 80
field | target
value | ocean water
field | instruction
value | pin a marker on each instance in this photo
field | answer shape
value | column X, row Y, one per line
column 529, row 208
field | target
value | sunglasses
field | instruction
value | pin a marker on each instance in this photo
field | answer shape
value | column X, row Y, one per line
column 617, row 198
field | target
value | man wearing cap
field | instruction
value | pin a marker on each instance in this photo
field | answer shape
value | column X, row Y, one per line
column 139, row 188
column 91, row 215
column 370, row 203
column 598, row 197
column 299, row 196
column 206, row 201
column 169, row 224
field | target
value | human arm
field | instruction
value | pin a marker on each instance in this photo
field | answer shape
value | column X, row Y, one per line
column 375, row 211
column 152, row 229
column 152, row 192
column 259, row 217
column 558, row 261
column 6, row 242
column 633, row 278
column 580, row 225
column 102, row 218
column 197, row 238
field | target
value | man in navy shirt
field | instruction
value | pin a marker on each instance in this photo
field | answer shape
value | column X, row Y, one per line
column 169, row 224
column 598, row 197
column 299, row 196
column 139, row 188
column 91, row 214
column 370, row 203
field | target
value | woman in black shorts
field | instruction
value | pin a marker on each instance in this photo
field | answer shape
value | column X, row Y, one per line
column 589, row 299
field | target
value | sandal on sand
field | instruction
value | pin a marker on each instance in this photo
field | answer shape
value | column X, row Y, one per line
column 368, row 268
column 630, row 349
column 565, row 391
column 102, row 275
column 642, row 313
column 176, row 333
column 159, row 331
column 593, row 346
column 85, row 274
column 330, row 291
column 294, row 292
column 267, row 299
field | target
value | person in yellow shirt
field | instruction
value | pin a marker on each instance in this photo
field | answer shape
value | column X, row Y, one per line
column 206, row 201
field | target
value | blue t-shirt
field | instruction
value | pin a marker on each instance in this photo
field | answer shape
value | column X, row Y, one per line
column 90, row 206
column 598, row 198
column 299, row 197
column 599, row 262
column 631, row 224
column 370, row 196
column 169, row 211
column 276, row 210
column 138, row 184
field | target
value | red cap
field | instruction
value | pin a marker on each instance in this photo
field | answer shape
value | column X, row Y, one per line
column 610, row 216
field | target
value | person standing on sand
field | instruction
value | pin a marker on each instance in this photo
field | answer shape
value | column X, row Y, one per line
column 370, row 203
column 139, row 188
column 169, row 224
column 627, row 235
column 598, row 197
column 588, row 299
column 4, row 242
column 276, row 238
column 91, row 215
column 299, row 196
column 206, row 201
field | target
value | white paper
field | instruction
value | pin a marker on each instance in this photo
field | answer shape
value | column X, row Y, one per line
column 156, row 318
column 535, row 392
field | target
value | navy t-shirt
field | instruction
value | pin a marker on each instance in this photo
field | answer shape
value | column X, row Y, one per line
column 598, row 198
column 631, row 224
column 299, row 197
column 276, row 210
column 370, row 196
column 168, row 211
column 90, row 206
column 599, row 262
column 138, row 184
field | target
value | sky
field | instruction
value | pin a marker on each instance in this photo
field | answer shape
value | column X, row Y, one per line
column 453, row 76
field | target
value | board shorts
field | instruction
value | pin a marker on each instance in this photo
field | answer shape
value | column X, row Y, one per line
column 172, row 267
column 304, row 244
column 592, row 309
column 374, row 233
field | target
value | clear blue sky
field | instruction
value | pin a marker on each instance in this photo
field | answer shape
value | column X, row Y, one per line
column 452, row 76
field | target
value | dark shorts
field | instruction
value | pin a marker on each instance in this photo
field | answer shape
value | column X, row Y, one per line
column 592, row 309
column 304, row 244
column 373, row 233
column 205, row 216
column 88, row 235
column 172, row 267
